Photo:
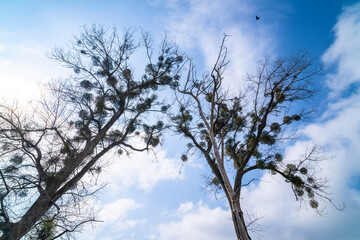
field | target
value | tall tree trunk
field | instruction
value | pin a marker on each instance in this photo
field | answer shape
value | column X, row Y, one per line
column 6, row 231
column 36, row 211
column 47, row 199
column 238, row 220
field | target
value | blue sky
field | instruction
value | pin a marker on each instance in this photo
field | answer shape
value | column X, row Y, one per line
column 148, row 198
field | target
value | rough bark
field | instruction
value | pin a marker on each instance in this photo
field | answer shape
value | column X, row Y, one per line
column 238, row 221
column 38, row 209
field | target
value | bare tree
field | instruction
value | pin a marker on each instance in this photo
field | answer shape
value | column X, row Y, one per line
column 242, row 134
column 49, row 155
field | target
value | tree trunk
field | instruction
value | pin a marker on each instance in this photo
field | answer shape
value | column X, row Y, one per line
column 238, row 220
column 47, row 199
column 36, row 211
column 6, row 231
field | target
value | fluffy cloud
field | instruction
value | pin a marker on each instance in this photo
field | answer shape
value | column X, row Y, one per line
column 273, row 198
column 115, row 217
column 141, row 170
column 345, row 50
column 201, row 24
column 198, row 222
column 119, row 209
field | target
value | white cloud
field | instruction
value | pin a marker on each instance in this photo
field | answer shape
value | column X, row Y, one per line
column 341, row 135
column 119, row 209
column 345, row 50
column 201, row 24
column 141, row 170
column 4, row 65
column 273, row 198
column 185, row 208
column 197, row 222
column 115, row 216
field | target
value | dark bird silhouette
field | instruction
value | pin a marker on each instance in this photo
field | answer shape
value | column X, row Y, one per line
column 257, row 18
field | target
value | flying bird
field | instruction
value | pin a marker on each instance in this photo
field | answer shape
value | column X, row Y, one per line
column 257, row 18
